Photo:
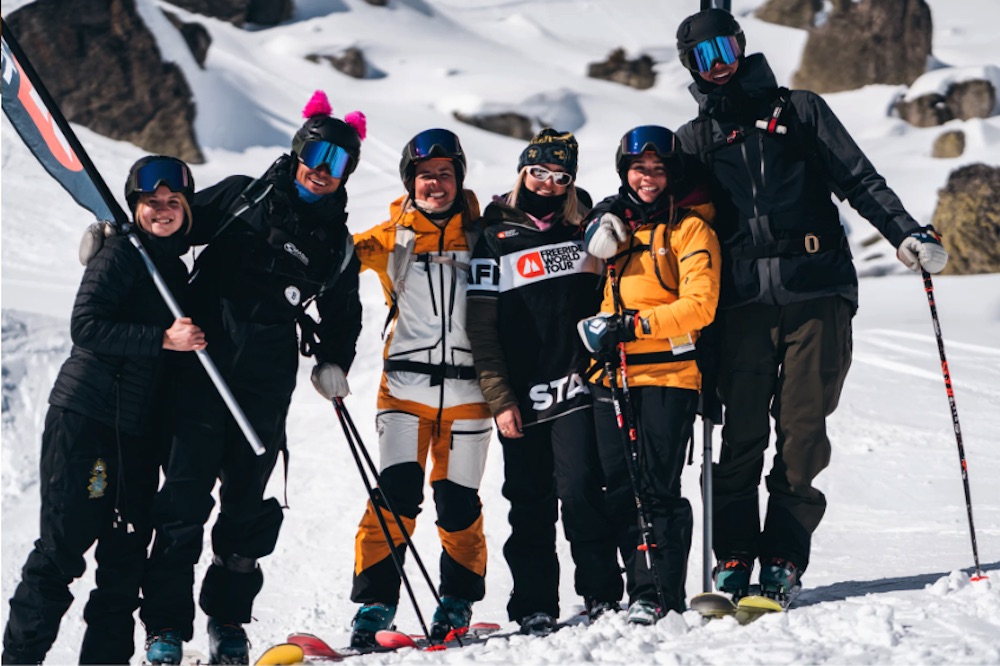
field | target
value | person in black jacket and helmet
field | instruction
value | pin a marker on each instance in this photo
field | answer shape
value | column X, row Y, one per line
column 789, row 290
column 277, row 244
column 101, row 447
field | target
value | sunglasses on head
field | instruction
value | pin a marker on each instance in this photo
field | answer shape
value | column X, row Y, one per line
column 725, row 48
column 315, row 154
column 172, row 173
column 559, row 178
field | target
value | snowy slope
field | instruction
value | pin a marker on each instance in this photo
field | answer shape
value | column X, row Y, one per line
column 885, row 585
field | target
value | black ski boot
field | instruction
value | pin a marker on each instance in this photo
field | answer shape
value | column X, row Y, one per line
column 227, row 643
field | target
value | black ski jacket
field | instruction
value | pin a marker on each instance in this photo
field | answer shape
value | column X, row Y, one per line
column 114, row 373
column 528, row 289
column 270, row 255
column 780, row 231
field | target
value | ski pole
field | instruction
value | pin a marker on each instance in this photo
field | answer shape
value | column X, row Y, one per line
column 706, row 491
column 621, row 400
column 929, row 288
column 356, row 444
column 49, row 137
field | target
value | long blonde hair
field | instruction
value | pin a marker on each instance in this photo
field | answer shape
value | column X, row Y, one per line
column 571, row 212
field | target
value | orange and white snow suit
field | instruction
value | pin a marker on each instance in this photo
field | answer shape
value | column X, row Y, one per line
column 429, row 401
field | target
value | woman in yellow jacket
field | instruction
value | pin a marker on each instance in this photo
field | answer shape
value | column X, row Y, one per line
column 429, row 399
column 663, row 290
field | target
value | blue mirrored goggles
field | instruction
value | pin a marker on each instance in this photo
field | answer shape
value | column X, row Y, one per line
column 724, row 48
column 435, row 143
column 172, row 173
column 654, row 138
column 315, row 154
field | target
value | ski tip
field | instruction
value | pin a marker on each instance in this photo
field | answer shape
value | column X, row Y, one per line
column 394, row 640
column 314, row 646
column 484, row 626
column 282, row 654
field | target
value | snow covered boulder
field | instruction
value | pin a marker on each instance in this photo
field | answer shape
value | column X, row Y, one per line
column 793, row 13
column 238, row 12
column 968, row 218
column 949, row 93
column 636, row 73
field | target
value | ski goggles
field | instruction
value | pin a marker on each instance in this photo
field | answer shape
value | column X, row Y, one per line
column 645, row 138
column 701, row 58
column 435, row 143
column 559, row 178
column 315, row 154
column 164, row 171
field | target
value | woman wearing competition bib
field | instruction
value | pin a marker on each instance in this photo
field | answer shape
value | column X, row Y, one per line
column 532, row 280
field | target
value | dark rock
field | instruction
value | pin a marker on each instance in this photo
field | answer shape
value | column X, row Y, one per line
column 636, row 73
column 196, row 36
column 975, row 98
column 968, row 218
column 351, row 61
column 949, row 144
column 793, row 13
column 102, row 66
column 378, row 3
column 269, row 12
column 873, row 41
column 233, row 11
column 507, row 124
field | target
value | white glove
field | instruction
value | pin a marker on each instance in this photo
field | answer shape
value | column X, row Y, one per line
column 330, row 381
column 93, row 240
column 605, row 235
column 922, row 250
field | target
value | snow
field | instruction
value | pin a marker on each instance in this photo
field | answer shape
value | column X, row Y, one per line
column 889, row 581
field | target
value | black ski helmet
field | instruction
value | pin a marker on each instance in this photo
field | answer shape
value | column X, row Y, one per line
column 332, row 130
column 650, row 138
column 151, row 171
column 431, row 143
column 704, row 25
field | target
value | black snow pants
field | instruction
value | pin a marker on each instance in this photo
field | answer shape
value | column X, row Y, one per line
column 665, row 420
column 787, row 362
column 557, row 460
column 89, row 476
column 208, row 445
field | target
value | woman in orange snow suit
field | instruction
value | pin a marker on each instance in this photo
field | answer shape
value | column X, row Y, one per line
column 429, row 399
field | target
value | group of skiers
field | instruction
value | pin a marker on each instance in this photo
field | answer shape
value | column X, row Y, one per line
column 580, row 329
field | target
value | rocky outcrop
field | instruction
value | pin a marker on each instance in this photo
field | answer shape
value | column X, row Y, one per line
column 968, row 218
column 949, row 144
column 793, row 13
column 963, row 100
column 873, row 41
column 636, row 73
column 507, row 124
column 196, row 36
column 239, row 12
column 351, row 61
column 103, row 68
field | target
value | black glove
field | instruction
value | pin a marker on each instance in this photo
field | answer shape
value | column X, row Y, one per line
column 606, row 330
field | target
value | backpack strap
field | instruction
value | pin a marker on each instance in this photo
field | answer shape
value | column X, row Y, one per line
column 251, row 196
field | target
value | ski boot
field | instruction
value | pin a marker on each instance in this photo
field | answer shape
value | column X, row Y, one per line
column 227, row 643
column 164, row 647
column 732, row 576
column 779, row 580
column 596, row 609
column 452, row 614
column 538, row 624
column 644, row 612
column 369, row 620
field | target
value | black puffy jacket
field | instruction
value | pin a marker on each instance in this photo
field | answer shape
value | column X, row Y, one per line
column 115, row 370
column 250, row 284
column 781, row 236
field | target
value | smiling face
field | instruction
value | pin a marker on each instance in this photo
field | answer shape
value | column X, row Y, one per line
column 720, row 72
column 647, row 176
column 318, row 181
column 434, row 182
column 161, row 213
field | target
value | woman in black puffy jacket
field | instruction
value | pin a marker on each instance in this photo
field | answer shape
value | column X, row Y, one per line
column 100, row 448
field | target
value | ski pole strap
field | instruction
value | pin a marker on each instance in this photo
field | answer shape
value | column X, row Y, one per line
column 437, row 372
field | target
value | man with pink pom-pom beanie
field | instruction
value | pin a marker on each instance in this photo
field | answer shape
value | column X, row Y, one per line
column 276, row 245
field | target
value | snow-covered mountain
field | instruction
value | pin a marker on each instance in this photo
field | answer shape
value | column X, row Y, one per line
column 886, row 584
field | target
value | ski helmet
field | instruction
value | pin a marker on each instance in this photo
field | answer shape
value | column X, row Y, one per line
column 654, row 139
column 323, row 139
column 429, row 144
column 703, row 27
column 151, row 171
column 551, row 147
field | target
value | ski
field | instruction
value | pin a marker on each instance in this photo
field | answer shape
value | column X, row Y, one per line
column 303, row 648
column 712, row 605
column 477, row 632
